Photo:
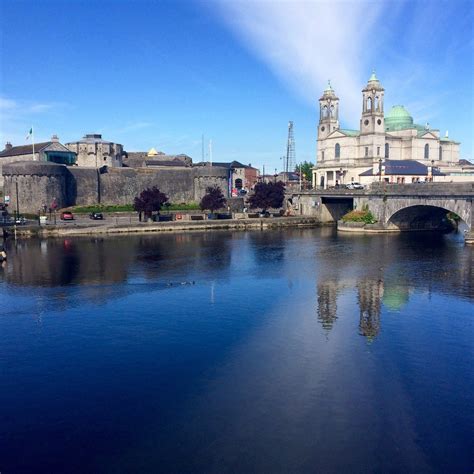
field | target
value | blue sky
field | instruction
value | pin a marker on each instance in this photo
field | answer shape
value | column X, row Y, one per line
column 150, row 73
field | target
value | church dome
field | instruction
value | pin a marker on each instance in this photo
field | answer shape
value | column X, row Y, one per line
column 398, row 119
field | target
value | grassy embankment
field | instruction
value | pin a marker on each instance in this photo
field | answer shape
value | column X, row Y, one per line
column 129, row 208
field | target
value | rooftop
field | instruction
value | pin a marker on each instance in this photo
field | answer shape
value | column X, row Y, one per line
column 403, row 167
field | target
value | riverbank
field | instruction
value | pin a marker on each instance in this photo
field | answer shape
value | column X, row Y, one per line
column 362, row 228
column 105, row 228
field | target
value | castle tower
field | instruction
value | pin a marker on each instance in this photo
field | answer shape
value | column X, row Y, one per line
column 328, row 113
column 372, row 120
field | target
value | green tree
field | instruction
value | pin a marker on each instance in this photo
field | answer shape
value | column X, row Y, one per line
column 306, row 168
column 213, row 199
column 150, row 200
column 267, row 195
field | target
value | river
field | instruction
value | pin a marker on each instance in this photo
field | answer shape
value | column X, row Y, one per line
column 278, row 351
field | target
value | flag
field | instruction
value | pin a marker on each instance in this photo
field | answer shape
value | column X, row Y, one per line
column 30, row 133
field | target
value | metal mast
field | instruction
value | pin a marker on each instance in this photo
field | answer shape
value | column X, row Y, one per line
column 290, row 151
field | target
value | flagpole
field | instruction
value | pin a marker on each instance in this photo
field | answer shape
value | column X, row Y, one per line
column 33, row 142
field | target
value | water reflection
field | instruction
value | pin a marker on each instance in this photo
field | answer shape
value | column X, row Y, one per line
column 379, row 273
column 369, row 297
column 236, row 352
column 327, row 303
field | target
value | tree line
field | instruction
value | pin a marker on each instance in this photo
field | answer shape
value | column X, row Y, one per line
column 265, row 196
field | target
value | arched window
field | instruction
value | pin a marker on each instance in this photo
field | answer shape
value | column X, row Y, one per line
column 427, row 152
column 440, row 153
column 377, row 103
column 332, row 111
column 325, row 111
column 387, row 150
column 369, row 103
column 337, row 150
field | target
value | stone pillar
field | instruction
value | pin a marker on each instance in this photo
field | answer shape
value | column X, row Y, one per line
column 469, row 237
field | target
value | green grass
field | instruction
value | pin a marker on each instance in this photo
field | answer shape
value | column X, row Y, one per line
column 129, row 208
column 359, row 216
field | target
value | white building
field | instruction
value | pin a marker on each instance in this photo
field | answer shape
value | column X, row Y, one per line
column 345, row 156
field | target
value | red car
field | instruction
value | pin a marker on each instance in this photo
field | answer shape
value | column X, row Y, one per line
column 67, row 216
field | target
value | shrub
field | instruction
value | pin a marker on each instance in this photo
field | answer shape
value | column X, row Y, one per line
column 149, row 201
column 360, row 216
column 213, row 199
column 267, row 195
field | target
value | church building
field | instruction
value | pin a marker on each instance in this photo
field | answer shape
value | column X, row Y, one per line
column 389, row 148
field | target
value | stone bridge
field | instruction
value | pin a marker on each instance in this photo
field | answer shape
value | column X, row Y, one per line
column 417, row 206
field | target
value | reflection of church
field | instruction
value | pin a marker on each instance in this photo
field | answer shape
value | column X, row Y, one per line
column 327, row 303
column 370, row 293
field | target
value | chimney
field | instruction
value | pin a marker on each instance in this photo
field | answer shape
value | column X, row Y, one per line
column 8, row 146
column 55, row 139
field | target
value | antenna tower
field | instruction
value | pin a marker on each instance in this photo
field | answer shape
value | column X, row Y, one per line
column 290, row 151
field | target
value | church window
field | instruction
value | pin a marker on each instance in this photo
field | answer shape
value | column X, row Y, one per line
column 440, row 153
column 387, row 150
column 369, row 103
column 338, row 150
column 376, row 103
column 325, row 111
column 332, row 111
column 366, row 122
column 366, row 151
column 379, row 122
column 427, row 151
column 378, row 151
column 322, row 155
column 322, row 128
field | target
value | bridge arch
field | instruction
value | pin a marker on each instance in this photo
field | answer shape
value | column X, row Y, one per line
column 426, row 216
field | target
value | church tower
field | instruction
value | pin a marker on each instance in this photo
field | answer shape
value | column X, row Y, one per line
column 328, row 113
column 372, row 120
column 372, row 123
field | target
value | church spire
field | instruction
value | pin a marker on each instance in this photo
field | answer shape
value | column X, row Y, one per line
column 328, row 112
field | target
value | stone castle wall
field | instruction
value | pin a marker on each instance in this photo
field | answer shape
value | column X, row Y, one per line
column 39, row 184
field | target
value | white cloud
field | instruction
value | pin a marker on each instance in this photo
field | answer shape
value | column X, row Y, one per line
column 18, row 116
column 307, row 43
column 7, row 104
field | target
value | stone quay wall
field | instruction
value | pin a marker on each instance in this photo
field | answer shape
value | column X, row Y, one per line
column 36, row 184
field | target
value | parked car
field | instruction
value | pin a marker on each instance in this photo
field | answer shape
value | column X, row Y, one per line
column 355, row 185
column 20, row 220
column 67, row 216
column 97, row 216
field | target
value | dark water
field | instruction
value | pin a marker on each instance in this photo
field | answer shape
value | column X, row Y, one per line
column 276, row 351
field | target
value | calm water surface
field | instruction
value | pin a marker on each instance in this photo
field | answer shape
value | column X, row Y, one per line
column 276, row 351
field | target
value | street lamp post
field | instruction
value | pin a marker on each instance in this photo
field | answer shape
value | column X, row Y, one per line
column 380, row 170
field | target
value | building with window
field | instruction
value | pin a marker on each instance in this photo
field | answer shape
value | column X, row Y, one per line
column 94, row 152
column 241, row 177
column 51, row 151
column 346, row 155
